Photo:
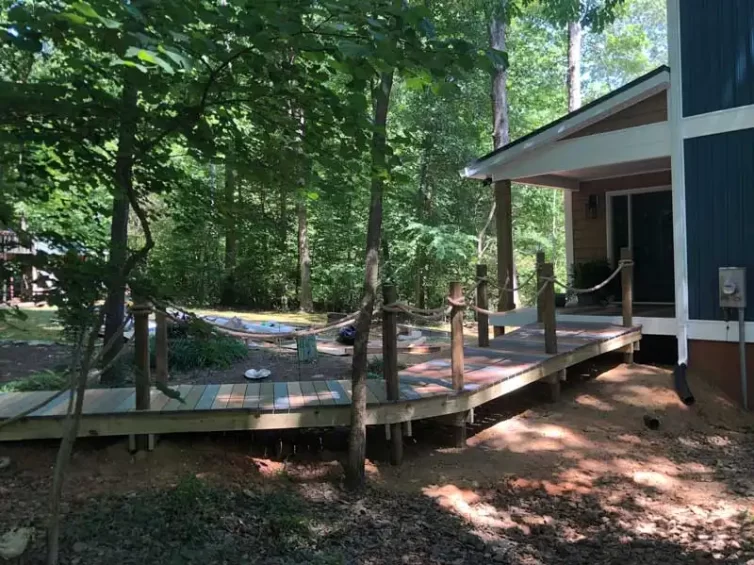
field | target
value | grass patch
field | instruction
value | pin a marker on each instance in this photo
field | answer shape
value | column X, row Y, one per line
column 202, row 351
column 41, row 324
column 44, row 380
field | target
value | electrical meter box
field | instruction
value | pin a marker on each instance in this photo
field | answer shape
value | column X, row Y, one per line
column 732, row 287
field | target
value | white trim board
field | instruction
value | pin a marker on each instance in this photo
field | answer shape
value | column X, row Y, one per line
column 717, row 330
column 721, row 121
column 675, row 109
column 581, row 120
column 568, row 203
column 651, row 141
column 523, row 316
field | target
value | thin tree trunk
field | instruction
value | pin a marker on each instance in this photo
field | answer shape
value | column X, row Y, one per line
column 80, row 367
column 304, row 259
column 573, row 80
column 355, row 469
column 500, row 128
column 231, row 234
column 115, row 302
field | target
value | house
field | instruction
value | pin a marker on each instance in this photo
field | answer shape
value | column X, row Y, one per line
column 663, row 166
column 19, row 276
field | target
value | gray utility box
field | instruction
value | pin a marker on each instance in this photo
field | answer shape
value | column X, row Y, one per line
column 732, row 287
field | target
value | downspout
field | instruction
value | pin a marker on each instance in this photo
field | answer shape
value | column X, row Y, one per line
column 675, row 119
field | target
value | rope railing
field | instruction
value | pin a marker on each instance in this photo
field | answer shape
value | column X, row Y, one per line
column 621, row 265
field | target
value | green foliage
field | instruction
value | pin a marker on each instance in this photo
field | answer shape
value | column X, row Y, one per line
column 591, row 273
column 195, row 351
column 375, row 368
column 43, row 380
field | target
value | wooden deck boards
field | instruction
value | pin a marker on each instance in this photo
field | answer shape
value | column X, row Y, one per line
column 512, row 361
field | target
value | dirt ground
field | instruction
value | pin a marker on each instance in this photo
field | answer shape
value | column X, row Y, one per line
column 18, row 361
column 579, row 481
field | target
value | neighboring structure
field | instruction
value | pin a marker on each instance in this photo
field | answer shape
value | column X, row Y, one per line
column 665, row 166
column 16, row 275
column 19, row 277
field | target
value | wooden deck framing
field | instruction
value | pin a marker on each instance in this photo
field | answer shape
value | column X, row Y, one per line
column 511, row 362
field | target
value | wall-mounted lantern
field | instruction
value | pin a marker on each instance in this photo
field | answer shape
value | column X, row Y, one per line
column 592, row 206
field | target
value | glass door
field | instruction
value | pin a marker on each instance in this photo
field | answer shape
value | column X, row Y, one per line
column 643, row 221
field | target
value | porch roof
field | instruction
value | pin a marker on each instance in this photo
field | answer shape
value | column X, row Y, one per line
column 557, row 156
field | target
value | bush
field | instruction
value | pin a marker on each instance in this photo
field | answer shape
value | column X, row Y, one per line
column 592, row 273
column 374, row 368
column 44, row 380
column 202, row 351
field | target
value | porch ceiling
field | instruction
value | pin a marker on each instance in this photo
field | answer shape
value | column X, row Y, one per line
column 618, row 169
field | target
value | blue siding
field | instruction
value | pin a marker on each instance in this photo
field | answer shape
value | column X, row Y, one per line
column 717, row 53
column 719, row 216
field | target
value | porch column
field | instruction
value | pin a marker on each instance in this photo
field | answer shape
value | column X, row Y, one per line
column 504, row 230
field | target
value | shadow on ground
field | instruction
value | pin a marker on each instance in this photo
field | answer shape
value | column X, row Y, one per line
column 580, row 481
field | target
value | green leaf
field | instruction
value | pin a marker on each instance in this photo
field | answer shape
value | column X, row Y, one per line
column 73, row 18
column 85, row 8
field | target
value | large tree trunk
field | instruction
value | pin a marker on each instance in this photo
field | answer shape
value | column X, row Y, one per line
column 355, row 471
column 231, row 234
column 503, row 198
column 573, row 80
column 304, row 259
column 115, row 301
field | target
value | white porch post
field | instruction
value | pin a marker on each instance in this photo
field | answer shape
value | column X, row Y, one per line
column 568, row 201
column 675, row 116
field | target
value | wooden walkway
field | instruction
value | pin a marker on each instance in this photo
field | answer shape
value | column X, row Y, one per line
column 511, row 362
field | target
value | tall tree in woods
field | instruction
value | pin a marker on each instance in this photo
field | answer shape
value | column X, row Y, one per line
column 231, row 232
column 499, row 18
column 357, row 439
column 573, row 81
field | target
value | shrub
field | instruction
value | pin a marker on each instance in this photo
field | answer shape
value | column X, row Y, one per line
column 196, row 351
column 44, row 380
column 374, row 368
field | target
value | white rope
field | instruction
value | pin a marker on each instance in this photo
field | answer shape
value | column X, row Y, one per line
column 398, row 307
column 262, row 336
column 622, row 263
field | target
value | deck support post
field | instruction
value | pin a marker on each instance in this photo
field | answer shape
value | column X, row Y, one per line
column 546, row 304
column 504, row 231
column 627, row 287
column 483, row 322
column 161, row 348
column 141, row 310
column 538, row 277
column 456, row 360
column 390, row 369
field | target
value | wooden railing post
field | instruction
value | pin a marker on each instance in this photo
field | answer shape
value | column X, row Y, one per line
column 483, row 322
column 547, row 303
column 161, row 348
column 141, row 310
column 627, row 287
column 456, row 359
column 390, row 369
column 538, row 277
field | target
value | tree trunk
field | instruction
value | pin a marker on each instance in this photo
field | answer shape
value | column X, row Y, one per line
column 304, row 259
column 355, row 471
column 500, row 134
column 115, row 302
column 573, row 80
column 231, row 234
column 500, row 137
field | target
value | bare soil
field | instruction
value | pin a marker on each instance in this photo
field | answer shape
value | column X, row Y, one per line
column 579, row 481
column 19, row 361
